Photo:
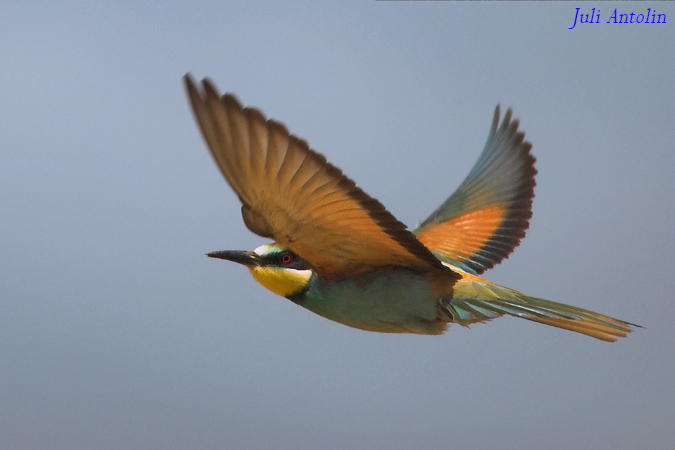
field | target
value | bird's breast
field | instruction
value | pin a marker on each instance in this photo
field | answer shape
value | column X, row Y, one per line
column 393, row 301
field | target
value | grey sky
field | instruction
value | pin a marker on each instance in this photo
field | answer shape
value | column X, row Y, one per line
column 117, row 332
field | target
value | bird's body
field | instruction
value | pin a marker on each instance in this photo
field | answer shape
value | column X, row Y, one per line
column 341, row 255
column 387, row 301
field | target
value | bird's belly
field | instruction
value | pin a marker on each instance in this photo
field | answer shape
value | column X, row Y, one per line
column 391, row 302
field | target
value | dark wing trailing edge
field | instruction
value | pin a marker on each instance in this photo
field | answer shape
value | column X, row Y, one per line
column 291, row 194
column 481, row 223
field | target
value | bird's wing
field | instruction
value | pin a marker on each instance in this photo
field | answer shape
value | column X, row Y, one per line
column 291, row 194
column 486, row 217
column 477, row 300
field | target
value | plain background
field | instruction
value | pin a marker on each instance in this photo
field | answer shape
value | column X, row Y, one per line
column 116, row 332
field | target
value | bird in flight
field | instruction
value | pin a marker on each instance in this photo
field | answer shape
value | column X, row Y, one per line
column 339, row 253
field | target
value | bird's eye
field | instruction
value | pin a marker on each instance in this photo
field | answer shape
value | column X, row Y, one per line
column 286, row 258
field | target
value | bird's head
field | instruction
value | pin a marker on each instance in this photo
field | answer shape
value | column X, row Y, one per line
column 274, row 266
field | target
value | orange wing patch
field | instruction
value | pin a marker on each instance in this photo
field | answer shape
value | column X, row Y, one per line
column 465, row 235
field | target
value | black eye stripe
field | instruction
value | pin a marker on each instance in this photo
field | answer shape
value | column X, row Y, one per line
column 286, row 259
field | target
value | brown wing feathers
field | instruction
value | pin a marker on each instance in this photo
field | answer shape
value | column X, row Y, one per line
column 292, row 194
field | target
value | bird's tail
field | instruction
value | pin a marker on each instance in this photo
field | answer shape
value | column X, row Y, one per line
column 478, row 300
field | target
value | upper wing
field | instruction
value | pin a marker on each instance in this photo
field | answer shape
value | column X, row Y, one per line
column 291, row 194
column 486, row 217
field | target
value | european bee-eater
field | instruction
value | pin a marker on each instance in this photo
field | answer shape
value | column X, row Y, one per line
column 339, row 253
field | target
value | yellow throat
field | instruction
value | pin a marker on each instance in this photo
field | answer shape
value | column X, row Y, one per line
column 281, row 281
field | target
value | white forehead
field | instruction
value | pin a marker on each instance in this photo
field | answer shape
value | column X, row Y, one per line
column 265, row 249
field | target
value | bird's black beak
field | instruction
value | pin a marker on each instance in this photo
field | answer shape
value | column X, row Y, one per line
column 248, row 259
